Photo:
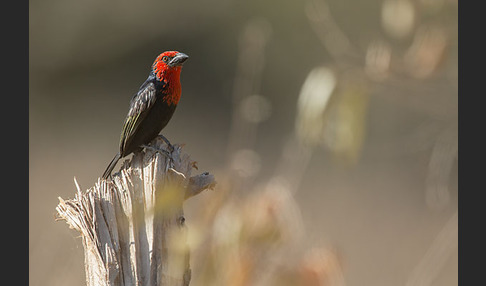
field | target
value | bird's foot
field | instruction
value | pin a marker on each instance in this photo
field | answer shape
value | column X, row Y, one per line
column 171, row 147
column 165, row 152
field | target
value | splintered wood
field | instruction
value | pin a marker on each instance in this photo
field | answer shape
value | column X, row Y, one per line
column 132, row 226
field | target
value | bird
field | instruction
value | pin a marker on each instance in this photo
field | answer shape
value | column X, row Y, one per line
column 151, row 107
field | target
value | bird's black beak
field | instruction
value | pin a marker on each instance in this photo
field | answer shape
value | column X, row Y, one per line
column 178, row 59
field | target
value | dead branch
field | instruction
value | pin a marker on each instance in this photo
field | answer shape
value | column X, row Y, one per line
column 132, row 226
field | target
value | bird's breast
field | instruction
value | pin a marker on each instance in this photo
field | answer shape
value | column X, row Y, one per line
column 172, row 95
column 171, row 92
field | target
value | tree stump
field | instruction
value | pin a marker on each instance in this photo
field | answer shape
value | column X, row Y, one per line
column 132, row 226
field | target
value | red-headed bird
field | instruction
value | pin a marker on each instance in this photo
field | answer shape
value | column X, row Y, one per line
column 152, row 106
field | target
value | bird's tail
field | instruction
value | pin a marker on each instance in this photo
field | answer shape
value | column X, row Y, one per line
column 110, row 167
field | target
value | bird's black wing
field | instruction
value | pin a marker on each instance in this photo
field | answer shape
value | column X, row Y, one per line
column 140, row 105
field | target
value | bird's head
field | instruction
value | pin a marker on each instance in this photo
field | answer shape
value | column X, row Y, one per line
column 168, row 64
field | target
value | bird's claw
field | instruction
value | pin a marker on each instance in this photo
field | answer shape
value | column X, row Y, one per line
column 170, row 146
column 165, row 152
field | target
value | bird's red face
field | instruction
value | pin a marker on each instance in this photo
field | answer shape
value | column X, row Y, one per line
column 168, row 64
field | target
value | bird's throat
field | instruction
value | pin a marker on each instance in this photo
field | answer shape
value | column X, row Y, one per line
column 172, row 92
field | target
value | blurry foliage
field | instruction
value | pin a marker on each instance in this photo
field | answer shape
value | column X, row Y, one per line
column 416, row 53
column 252, row 235
column 256, row 240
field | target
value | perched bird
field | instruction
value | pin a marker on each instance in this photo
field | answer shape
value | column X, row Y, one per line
column 152, row 106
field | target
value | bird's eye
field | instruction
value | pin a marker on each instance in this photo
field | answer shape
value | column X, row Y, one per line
column 165, row 59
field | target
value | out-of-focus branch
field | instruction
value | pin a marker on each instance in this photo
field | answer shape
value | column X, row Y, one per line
column 332, row 37
column 251, row 60
column 437, row 255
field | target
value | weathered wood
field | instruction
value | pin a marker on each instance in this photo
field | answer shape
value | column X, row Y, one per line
column 132, row 226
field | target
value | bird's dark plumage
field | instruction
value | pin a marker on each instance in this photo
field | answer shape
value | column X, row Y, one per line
column 152, row 106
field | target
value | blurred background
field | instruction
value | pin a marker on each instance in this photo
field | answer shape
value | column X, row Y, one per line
column 330, row 123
